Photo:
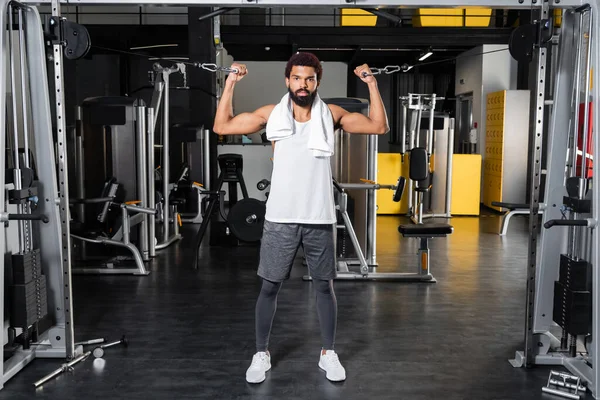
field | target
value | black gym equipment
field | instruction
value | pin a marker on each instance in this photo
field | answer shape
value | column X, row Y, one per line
column 244, row 221
column 73, row 37
column 419, row 173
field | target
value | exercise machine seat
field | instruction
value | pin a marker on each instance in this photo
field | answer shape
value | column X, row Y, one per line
column 510, row 206
column 425, row 230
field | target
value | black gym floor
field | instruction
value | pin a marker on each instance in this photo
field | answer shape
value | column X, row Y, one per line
column 192, row 332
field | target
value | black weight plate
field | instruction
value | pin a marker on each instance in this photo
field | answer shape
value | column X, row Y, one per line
column 521, row 42
column 246, row 219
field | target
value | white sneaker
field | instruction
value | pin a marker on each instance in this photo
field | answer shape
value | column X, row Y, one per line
column 261, row 363
column 330, row 363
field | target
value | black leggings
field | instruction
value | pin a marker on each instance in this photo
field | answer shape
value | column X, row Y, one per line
column 266, row 306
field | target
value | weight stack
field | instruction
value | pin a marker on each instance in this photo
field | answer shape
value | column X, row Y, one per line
column 573, row 296
column 28, row 293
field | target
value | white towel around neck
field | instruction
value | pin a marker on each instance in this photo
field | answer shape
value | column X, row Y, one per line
column 281, row 125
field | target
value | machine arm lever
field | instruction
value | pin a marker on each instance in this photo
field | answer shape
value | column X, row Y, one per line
column 565, row 222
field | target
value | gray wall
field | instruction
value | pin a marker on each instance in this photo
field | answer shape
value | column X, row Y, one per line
column 482, row 74
column 265, row 84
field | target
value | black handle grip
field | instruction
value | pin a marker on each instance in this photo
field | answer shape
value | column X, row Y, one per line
column 28, row 217
column 565, row 222
column 96, row 200
column 337, row 186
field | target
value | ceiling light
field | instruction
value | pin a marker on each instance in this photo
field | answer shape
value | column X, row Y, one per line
column 425, row 56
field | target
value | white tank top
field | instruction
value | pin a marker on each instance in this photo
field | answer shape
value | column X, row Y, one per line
column 301, row 184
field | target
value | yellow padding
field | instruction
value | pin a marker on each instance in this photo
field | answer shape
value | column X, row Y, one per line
column 423, row 261
column 466, row 184
column 558, row 15
column 132, row 202
column 179, row 219
column 357, row 17
column 452, row 17
column 389, row 167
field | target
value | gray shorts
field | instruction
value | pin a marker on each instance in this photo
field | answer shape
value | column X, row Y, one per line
column 280, row 243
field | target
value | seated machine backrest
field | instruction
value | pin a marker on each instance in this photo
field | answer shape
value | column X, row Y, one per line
column 419, row 167
column 230, row 165
column 111, row 189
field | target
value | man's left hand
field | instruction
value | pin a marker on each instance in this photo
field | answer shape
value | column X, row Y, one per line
column 361, row 70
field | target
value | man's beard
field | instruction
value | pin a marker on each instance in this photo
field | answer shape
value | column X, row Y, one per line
column 302, row 101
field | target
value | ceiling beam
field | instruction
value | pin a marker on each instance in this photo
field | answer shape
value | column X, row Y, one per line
column 362, row 36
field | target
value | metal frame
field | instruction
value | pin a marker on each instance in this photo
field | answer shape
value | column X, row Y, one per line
column 514, row 4
column 418, row 103
column 121, row 237
column 518, row 211
column 368, row 269
column 53, row 237
column 541, row 345
column 161, row 92
column 534, row 271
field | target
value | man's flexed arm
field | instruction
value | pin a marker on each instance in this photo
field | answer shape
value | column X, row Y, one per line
column 245, row 123
column 377, row 121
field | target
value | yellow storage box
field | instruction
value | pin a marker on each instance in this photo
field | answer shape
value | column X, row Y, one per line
column 357, row 17
column 452, row 17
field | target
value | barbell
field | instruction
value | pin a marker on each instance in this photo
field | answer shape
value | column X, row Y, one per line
column 398, row 188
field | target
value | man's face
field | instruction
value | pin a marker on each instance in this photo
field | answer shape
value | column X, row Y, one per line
column 302, row 85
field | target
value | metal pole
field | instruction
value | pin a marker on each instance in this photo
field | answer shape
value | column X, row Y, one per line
column 57, row 58
column 586, row 119
column 150, row 186
column 206, row 161
column 371, row 245
column 364, row 267
column 3, row 205
column 24, row 100
column 142, row 178
column 80, row 172
column 418, row 130
column 538, row 98
column 165, row 160
column 125, row 225
column 420, row 204
column 577, row 97
column 13, row 88
column 80, row 165
column 403, row 135
column 24, row 97
column 449, row 167
column 411, row 143
column 431, row 120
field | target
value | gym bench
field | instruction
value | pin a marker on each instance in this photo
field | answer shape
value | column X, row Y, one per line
column 424, row 232
column 514, row 209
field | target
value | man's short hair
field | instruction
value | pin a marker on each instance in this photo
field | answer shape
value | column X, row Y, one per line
column 305, row 60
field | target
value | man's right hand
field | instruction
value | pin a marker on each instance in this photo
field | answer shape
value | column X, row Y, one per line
column 236, row 77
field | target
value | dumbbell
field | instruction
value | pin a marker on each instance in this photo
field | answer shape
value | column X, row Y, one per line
column 99, row 351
